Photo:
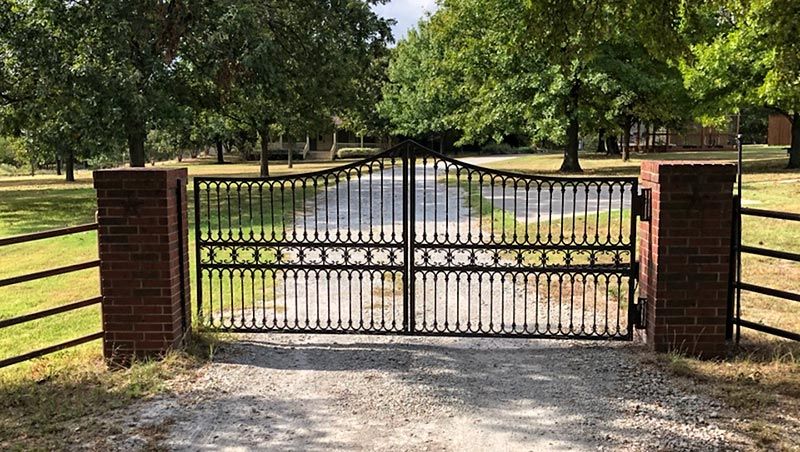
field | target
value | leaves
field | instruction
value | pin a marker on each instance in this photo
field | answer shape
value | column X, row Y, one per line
column 747, row 55
column 97, row 75
column 490, row 69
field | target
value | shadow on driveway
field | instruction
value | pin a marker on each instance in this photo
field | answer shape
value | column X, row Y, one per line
column 399, row 393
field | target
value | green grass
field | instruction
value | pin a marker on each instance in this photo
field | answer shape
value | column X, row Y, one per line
column 56, row 404
column 761, row 385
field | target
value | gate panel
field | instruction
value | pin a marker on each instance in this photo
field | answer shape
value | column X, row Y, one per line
column 316, row 252
column 411, row 241
column 497, row 253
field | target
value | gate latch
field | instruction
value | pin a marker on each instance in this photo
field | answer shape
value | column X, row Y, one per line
column 640, row 313
column 642, row 204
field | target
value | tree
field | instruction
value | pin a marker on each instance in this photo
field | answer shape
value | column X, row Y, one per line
column 134, row 51
column 285, row 62
column 419, row 95
column 362, row 116
column 525, row 66
column 640, row 86
column 45, row 95
column 745, row 54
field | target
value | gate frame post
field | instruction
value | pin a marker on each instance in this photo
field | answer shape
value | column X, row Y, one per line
column 685, row 256
column 144, row 273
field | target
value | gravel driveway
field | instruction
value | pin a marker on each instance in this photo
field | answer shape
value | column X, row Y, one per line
column 324, row 392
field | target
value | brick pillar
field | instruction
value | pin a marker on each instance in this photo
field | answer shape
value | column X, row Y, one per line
column 144, row 274
column 685, row 253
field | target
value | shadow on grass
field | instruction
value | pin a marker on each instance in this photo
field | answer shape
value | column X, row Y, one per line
column 36, row 210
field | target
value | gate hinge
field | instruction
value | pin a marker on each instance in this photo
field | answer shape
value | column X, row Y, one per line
column 642, row 204
column 640, row 313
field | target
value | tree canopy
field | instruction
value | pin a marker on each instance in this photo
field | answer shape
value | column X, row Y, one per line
column 540, row 68
column 745, row 54
column 111, row 72
column 82, row 79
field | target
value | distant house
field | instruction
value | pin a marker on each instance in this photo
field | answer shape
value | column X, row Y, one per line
column 779, row 131
column 324, row 145
column 692, row 137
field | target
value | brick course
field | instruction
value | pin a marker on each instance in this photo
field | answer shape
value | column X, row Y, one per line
column 685, row 255
column 140, row 254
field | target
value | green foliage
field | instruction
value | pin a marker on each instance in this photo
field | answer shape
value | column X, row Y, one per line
column 749, row 58
column 420, row 96
column 361, row 116
column 744, row 54
column 537, row 68
column 285, row 63
column 85, row 78
column 12, row 151
column 46, row 95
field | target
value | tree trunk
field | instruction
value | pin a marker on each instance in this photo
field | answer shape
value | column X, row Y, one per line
column 601, row 141
column 70, row 166
column 570, row 163
column 612, row 145
column 58, row 164
column 626, row 139
column 136, row 137
column 290, row 145
column 639, row 136
column 220, row 157
column 794, row 150
column 264, row 135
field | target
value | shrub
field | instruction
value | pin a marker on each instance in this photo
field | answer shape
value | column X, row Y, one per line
column 350, row 153
column 12, row 151
column 503, row 148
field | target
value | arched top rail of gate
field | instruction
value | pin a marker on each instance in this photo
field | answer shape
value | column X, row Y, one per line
column 411, row 149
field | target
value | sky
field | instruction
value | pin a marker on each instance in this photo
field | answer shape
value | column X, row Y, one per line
column 406, row 12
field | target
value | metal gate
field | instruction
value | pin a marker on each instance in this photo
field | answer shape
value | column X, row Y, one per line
column 414, row 242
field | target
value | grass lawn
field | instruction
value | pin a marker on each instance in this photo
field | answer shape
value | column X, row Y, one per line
column 764, row 375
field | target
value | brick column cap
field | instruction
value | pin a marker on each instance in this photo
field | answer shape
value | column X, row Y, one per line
column 659, row 170
column 103, row 176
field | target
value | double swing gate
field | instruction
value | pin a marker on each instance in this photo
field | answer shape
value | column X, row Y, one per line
column 413, row 242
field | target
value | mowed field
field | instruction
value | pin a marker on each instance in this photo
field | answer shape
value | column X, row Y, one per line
column 29, row 204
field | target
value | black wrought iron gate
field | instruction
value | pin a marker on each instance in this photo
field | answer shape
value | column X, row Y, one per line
column 411, row 241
